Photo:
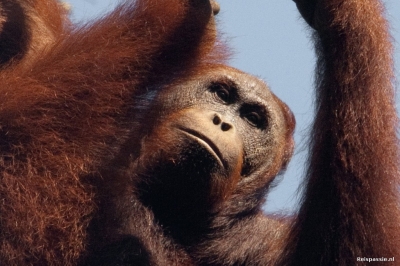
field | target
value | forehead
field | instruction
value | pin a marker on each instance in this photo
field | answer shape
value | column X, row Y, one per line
column 249, row 88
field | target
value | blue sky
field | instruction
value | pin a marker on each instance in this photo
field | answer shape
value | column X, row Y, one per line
column 270, row 41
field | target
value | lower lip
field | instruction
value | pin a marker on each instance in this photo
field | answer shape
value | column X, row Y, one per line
column 204, row 144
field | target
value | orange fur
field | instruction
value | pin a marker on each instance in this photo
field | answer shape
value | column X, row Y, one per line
column 351, row 203
column 79, row 79
column 67, row 97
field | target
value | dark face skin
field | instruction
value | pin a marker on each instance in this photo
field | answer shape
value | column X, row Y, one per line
column 208, row 137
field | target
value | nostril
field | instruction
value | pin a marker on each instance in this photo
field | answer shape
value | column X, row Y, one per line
column 216, row 120
column 226, row 126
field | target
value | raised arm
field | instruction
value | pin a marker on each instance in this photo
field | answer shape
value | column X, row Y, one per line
column 350, row 208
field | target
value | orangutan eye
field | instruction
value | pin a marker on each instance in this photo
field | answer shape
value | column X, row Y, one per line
column 224, row 92
column 253, row 118
column 255, row 115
